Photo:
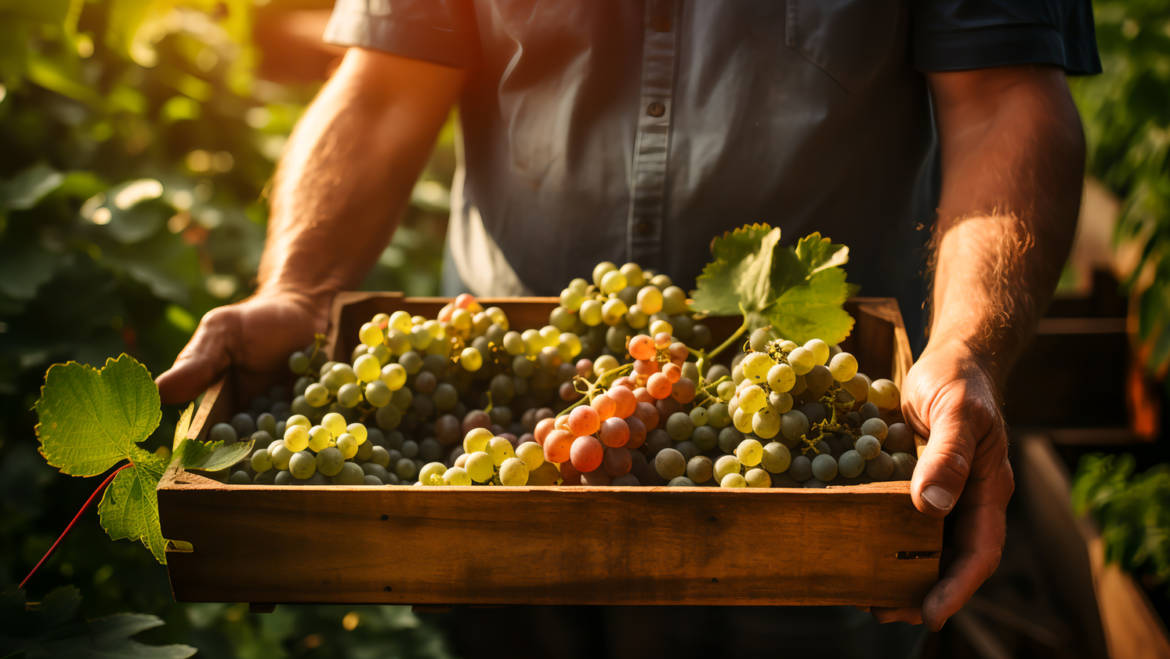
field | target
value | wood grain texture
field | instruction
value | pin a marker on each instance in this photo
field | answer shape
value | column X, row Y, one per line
column 862, row 545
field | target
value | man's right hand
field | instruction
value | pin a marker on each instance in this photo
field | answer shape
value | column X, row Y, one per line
column 254, row 336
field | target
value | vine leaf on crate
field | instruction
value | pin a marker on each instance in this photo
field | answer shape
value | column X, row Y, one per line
column 129, row 507
column 799, row 290
column 211, row 456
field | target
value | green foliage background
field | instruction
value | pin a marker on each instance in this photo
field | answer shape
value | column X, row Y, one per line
column 135, row 149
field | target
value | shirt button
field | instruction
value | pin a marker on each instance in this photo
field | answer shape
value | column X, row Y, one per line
column 656, row 109
column 643, row 228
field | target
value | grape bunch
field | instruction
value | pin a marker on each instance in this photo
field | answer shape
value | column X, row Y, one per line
column 617, row 389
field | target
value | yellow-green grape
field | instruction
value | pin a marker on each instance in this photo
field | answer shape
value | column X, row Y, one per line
column 320, row 439
column 533, row 342
column 480, row 323
column 756, row 366
column 802, row 360
column 571, row 299
column 569, row 345
column 420, row 338
column 480, row 467
column 500, row 449
column 742, row 420
column 674, row 300
column 781, row 378
column 398, row 342
column 661, row 326
column 394, row 376
column 347, row 445
column 302, row 465
column 858, row 387
column 349, row 395
column 381, row 353
column 612, row 282
column 757, row 478
column 441, row 348
column 514, row 472
column 456, row 476
column 262, row 461
column 776, row 457
column 400, row 320
column 280, row 455
column 650, row 299
column 297, row 420
column 477, row 440
column 470, row 359
column 316, row 395
column 727, row 464
column 819, row 350
column 432, row 473
column 371, row 335
column 749, row 452
column 600, row 270
column 549, row 336
column 378, row 394
column 733, row 480
column 461, row 320
column 752, row 398
column 843, row 366
column 766, row 422
column 434, row 327
column 884, row 394
column 633, row 273
column 613, row 310
column 334, row 423
column 579, row 285
column 590, row 312
column 359, row 432
column 604, row 364
column 329, row 461
column 531, row 453
column 636, row 318
column 296, row 438
column 514, row 343
column 380, row 319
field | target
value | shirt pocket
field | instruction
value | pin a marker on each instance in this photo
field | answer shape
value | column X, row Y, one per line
column 851, row 41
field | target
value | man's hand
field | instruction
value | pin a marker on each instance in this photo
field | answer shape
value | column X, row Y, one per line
column 255, row 336
column 950, row 397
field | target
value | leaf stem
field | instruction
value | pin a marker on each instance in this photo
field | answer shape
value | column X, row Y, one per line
column 69, row 527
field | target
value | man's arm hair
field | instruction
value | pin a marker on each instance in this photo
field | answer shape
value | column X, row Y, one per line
column 348, row 170
column 1013, row 156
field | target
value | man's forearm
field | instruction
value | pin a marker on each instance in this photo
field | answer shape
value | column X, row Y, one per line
column 348, row 171
column 1013, row 160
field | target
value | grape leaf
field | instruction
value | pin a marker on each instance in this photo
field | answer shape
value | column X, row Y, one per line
column 799, row 290
column 29, row 187
column 90, row 419
column 129, row 507
column 195, row 455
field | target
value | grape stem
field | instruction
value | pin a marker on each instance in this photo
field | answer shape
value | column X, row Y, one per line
column 594, row 388
column 69, row 527
column 730, row 341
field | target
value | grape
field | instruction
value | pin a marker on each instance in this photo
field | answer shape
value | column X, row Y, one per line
column 614, row 432
column 819, row 350
column 818, row 380
column 500, row 449
column 899, row 438
column 641, row 347
column 851, row 464
column 752, row 399
column 733, row 480
column 261, row 460
column 793, row 424
column 558, row 446
column 584, row 420
column 586, row 453
column 824, row 467
column 749, row 452
column 616, row 462
column 650, row 299
column 875, row 427
column 868, row 446
column 222, row 432
column 757, row 478
column 349, row 395
column 766, row 423
column 681, row 481
column 683, row 391
column 376, row 393
column 759, row 339
column 802, row 360
column 781, row 378
column 775, row 457
column 302, row 464
column 367, row 368
column 531, row 453
column 884, row 394
column 756, row 366
column 296, row 438
column 903, row 466
column 679, row 426
column 456, row 476
column 316, row 395
column 881, row 467
column 637, row 432
column 674, row 300
column 298, row 362
column 868, row 411
column 513, row 472
column 388, row 417
column 476, row 440
column 670, row 463
column 725, row 465
column 334, row 423
column 858, row 387
column 718, row 416
column 800, row 469
column 843, row 366
column 591, row 312
column 661, row 327
column 658, row 386
column 480, row 466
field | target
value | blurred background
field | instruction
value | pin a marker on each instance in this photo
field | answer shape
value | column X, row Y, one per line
column 137, row 141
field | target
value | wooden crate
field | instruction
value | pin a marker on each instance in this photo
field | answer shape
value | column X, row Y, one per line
column 862, row 545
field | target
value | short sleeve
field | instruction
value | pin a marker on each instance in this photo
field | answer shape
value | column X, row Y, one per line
column 954, row 35
column 440, row 31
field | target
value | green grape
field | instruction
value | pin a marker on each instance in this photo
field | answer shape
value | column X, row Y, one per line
column 670, row 463
column 367, row 368
column 319, row 438
column 420, row 338
column 261, row 461
column 674, row 300
column 389, row 416
column 479, row 466
column 298, row 363
column 612, row 282
column 725, row 390
column 432, row 473
column 600, row 270
column 377, row 393
column 347, row 445
column 752, row 399
column 612, row 311
column 393, row 376
column 741, row 420
column 302, row 464
column 316, row 395
column 513, row 343
column 500, row 449
column 733, row 480
column 727, row 464
column 636, row 318
column 824, row 467
column 616, row 337
column 222, row 432
column 681, row 481
column 297, row 420
column 397, row 342
column 700, row 469
column 381, row 353
column 705, row 438
column 868, row 446
column 775, row 458
column 513, row 472
column 802, row 360
column 571, row 300
column 283, row 478
column 404, row 469
column 359, row 432
column 903, row 466
column 380, row 455
column 679, row 426
column 875, row 427
column 819, row 350
column 661, row 327
column 780, row 402
column 884, row 394
column 570, row 345
column 562, row 319
column 817, row 380
column 604, row 364
column 843, row 367
column 476, row 440
column 749, row 452
column 781, row 378
column 650, row 300
column 456, row 476
column 296, row 438
column 446, row 397
column 349, row 395
column 334, row 423
column 757, row 478
column 352, row 474
column 400, row 320
column 699, row 415
column 411, row 361
column 634, row 274
column 718, row 416
column 531, row 453
column 759, row 339
column 756, row 366
column 470, row 359
column 280, row 454
column 591, row 312
column 851, row 464
column 881, row 467
column 793, row 424
column 579, row 285
column 766, row 423
column 548, row 336
column 329, row 461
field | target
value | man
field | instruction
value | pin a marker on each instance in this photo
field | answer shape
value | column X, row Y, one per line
column 638, row 130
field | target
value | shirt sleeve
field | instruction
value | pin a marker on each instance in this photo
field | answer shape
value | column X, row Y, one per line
column 955, row 35
column 440, row 31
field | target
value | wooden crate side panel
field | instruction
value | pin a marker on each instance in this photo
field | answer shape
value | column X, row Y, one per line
column 552, row 546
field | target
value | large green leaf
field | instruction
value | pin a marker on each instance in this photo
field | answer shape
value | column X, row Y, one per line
column 24, row 268
column 813, row 309
column 737, row 277
column 30, row 186
column 195, row 455
column 91, row 419
column 129, row 508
